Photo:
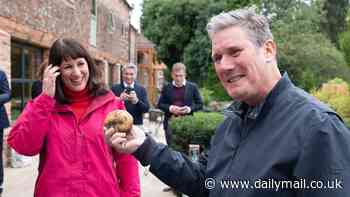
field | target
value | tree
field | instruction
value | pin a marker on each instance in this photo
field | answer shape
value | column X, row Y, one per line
column 277, row 8
column 334, row 22
column 178, row 28
column 308, row 61
column 170, row 25
column 344, row 41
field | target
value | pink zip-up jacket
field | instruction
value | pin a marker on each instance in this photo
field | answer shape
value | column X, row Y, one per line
column 75, row 160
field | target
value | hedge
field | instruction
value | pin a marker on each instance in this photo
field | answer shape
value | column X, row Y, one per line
column 196, row 129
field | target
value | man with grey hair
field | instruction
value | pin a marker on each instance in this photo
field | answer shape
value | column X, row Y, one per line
column 276, row 139
column 133, row 94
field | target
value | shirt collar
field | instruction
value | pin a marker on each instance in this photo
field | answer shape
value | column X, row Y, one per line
column 239, row 108
column 131, row 86
column 183, row 84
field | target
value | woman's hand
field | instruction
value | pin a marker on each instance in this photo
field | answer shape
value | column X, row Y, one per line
column 49, row 80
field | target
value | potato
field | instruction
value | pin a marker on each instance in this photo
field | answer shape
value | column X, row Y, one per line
column 120, row 120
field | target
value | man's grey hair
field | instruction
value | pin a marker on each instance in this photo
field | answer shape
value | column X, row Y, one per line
column 178, row 67
column 130, row 66
column 256, row 26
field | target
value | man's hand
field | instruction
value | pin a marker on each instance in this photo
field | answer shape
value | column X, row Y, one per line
column 185, row 110
column 175, row 110
column 124, row 96
column 133, row 97
column 125, row 143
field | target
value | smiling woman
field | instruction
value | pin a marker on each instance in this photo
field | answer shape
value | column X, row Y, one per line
column 75, row 74
column 77, row 68
column 65, row 126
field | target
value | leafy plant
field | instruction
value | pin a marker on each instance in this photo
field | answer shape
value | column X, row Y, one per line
column 344, row 42
column 308, row 61
column 207, row 95
column 336, row 94
column 196, row 129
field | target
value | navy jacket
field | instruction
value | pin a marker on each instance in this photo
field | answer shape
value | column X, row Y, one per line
column 138, row 109
column 193, row 98
column 289, row 137
column 5, row 96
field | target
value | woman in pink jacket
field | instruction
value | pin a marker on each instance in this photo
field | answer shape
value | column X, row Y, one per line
column 65, row 126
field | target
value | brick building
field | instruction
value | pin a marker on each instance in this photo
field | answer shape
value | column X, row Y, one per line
column 28, row 28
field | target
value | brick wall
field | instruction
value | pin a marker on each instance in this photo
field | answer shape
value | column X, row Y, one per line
column 133, row 49
column 40, row 22
column 112, row 34
column 5, row 59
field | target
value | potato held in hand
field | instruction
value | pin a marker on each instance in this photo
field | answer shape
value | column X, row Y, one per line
column 120, row 120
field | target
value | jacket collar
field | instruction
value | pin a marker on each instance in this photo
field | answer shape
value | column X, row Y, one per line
column 241, row 109
column 96, row 103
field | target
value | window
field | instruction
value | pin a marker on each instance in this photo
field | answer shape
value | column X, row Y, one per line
column 126, row 30
column 140, row 58
column 25, row 61
column 93, row 7
column 93, row 23
column 110, row 23
column 122, row 30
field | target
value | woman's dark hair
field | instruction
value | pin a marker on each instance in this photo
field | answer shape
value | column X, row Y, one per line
column 65, row 49
column 40, row 72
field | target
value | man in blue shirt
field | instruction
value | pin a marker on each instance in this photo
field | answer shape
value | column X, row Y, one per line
column 276, row 139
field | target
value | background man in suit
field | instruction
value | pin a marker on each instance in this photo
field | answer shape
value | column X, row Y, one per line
column 5, row 96
column 134, row 95
column 179, row 98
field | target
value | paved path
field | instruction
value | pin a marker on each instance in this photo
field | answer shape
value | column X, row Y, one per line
column 19, row 182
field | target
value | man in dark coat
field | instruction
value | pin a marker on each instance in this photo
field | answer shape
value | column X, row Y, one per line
column 5, row 96
column 134, row 95
column 179, row 98
column 276, row 139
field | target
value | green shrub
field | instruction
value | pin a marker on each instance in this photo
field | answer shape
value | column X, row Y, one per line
column 207, row 95
column 336, row 94
column 196, row 129
column 309, row 62
column 213, row 83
